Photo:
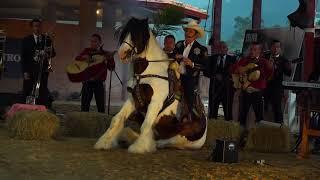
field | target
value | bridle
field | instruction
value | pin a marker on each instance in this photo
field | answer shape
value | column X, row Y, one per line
column 134, row 52
column 137, row 90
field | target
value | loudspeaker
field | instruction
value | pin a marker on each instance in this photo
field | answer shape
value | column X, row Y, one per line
column 226, row 151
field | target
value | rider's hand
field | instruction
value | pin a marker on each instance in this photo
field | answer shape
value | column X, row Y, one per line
column 179, row 57
column 188, row 62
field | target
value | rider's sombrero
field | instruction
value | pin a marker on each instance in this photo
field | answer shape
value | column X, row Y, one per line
column 195, row 26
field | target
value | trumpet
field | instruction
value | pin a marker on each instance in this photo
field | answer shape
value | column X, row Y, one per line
column 49, row 51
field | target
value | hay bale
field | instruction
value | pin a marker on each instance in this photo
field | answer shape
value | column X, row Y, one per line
column 268, row 139
column 33, row 125
column 221, row 129
column 86, row 124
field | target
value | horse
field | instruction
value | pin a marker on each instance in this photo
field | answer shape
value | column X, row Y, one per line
column 161, row 125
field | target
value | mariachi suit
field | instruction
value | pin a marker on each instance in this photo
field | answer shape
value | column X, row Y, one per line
column 31, row 66
column 190, row 80
column 94, row 86
column 274, row 92
column 221, row 89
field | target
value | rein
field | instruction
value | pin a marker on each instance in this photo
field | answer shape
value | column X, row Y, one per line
column 133, row 49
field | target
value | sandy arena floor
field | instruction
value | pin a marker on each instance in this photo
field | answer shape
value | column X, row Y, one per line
column 75, row 158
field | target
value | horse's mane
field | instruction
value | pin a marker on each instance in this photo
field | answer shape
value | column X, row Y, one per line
column 139, row 31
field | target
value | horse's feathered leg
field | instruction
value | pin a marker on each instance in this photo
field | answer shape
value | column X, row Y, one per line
column 109, row 138
column 145, row 142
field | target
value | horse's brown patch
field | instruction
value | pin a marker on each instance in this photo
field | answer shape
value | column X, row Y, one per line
column 140, row 65
column 170, row 126
column 194, row 129
column 167, row 127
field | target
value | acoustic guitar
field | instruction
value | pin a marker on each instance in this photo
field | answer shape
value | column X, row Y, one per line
column 250, row 73
column 91, row 68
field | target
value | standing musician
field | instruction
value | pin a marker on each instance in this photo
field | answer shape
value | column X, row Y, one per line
column 252, row 95
column 96, row 84
column 169, row 45
column 274, row 91
column 191, row 54
column 221, row 89
column 36, row 49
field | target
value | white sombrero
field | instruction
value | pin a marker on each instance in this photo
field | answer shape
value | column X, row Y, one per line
column 195, row 26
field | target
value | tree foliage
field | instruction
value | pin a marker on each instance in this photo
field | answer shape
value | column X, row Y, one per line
column 241, row 24
column 166, row 20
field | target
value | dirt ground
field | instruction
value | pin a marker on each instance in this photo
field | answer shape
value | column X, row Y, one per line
column 75, row 158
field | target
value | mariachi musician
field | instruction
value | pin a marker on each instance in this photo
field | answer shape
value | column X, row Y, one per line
column 36, row 50
column 221, row 89
column 96, row 84
column 274, row 91
column 252, row 93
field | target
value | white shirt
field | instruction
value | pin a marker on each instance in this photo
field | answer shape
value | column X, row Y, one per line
column 222, row 59
column 187, row 49
column 36, row 38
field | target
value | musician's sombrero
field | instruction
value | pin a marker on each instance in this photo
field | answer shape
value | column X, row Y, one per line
column 195, row 26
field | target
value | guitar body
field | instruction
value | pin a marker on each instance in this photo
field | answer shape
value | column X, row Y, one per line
column 80, row 71
column 249, row 73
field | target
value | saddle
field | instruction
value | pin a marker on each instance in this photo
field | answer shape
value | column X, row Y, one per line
column 142, row 94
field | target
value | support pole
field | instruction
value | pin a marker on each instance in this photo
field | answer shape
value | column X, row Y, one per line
column 217, row 11
column 256, row 14
column 309, row 42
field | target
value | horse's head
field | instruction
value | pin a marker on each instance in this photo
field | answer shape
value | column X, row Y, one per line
column 133, row 39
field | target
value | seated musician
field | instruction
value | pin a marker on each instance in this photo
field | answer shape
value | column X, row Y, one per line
column 252, row 95
column 274, row 91
column 221, row 89
column 96, row 84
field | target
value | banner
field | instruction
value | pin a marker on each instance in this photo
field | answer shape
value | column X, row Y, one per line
column 13, row 50
column 11, row 79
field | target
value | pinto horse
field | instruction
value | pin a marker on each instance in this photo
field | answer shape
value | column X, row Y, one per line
column 161, row 124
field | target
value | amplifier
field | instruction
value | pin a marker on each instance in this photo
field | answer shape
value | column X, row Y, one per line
column 226, row 151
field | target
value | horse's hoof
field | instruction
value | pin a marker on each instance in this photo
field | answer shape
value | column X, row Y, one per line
column 140, row 148
column 104, row 145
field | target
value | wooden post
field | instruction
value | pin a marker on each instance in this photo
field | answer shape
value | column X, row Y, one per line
column 88, row 20
column 256, row 14
column 309, row 42
column 217, row 5
column 307, row 69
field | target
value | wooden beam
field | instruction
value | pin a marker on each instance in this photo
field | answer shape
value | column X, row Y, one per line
column 217, row 10
column 309, row 41
column 88, row 20
column 256, row 14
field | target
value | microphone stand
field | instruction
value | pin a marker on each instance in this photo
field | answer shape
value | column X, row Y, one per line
column 109, row 98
